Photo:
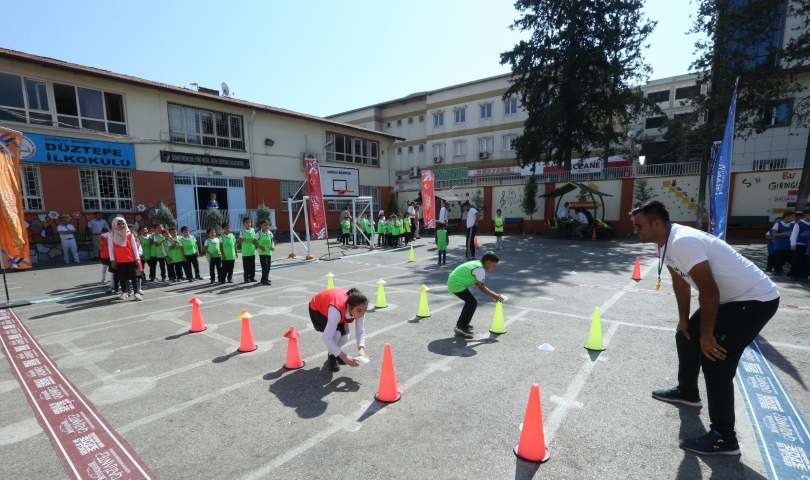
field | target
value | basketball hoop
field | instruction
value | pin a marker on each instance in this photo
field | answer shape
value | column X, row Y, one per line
column 343, row 192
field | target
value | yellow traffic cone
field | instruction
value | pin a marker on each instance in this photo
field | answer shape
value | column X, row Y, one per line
column 497, row 320
column 413, row 257
column 424, row 311
column 595, row 337
column 381, row 303
column 329, row 282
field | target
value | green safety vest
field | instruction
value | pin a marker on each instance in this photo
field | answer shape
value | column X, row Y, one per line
column 229, row 246
column 213, row 247
column 363, row 225
column 146, row 246
column 499, row 224
column 248, row 250
column 345, row 226
column 157, row 250
column 462, row 277
column 175, row 255
column 189, row 245
column 406, row 224
column 381, row 225
column 441, row 242
column 369, row 226
column 265, row 240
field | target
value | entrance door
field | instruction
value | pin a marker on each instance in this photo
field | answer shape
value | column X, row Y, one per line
column 204, row 195
column 185, row 204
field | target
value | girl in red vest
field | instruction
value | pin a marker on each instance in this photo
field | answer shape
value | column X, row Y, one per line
column 103, row 249
column 331, row 312
column 124, row 258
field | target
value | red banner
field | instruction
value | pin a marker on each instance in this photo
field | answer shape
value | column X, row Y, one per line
column 317, row 216
column 428, row 205
column 84, row 441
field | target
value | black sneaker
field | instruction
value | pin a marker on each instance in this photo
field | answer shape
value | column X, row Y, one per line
column 333, row 363
column 711, row 444
column 464, row 333
column 198, row 277
column 674, row 395
column 340, row 361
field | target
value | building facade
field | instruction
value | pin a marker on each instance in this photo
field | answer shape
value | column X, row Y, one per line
column 100, row 141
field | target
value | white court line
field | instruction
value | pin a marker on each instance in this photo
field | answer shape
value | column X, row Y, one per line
column 351, row 421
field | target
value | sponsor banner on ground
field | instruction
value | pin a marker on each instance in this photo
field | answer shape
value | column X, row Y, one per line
column 85, row 443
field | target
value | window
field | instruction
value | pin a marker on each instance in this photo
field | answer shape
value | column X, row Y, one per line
column 422, row 147
column 291, row 189
column 485, row 145
column 198, row 126
column 460, row 148
column 461, row 115
column 507, row 142
column 655, row 122
column 387, row 124
column 685, row 92
column 31, row 187
column 399, row 122
column 421, row 118
column 399, row 150
column 26, row 100
column 486, row 110
column 778, row 115
column 438, row 119
column 410, row 148
column 107, row 190
column 510, row 107
column 410, row 120
column 343, row 148
column 658, row 97
column 758, row 44
column 374, row 193
column 438, row 150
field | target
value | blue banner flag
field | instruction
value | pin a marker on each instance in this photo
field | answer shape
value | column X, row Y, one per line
column 721, row 174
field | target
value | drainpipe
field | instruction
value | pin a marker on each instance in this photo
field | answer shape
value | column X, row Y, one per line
column 250, row 157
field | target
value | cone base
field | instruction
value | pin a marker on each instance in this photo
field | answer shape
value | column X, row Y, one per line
column 422, row 316
column 303, row 364
column 292, row 255
column 377, row 397
column 197, row 331
column 595, row 349
column 250, row 350
column 497, row 333
column 544, row 460
column 380, row 306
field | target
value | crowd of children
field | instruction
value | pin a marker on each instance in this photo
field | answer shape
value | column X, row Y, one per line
column 788, row 242
column 159, row 248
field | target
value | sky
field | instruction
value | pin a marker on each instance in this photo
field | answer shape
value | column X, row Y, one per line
column 317, row 57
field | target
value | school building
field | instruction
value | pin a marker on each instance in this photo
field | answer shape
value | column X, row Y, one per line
column 96, row 140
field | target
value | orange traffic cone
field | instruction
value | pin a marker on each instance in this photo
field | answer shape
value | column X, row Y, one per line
column 246, row 344
column 637, row 271
column 593, row 236
column 388, row 392
column 475, row 242
column 532, row 446
column 294, row 359
column 197, row 324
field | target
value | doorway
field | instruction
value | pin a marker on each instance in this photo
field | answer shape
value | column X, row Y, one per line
column 204, row 194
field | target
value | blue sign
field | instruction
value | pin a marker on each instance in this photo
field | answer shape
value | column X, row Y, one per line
column 779, row 426
column 78, row 152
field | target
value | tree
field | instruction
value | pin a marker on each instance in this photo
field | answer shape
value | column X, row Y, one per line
column 164, row 216
column 263, row 213
column 393, row 205
column 742, row 41
column 213, row 219
column 642, row 193
column 528, row 204
column 577, row 75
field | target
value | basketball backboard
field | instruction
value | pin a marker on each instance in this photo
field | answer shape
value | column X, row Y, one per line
column 335, row 179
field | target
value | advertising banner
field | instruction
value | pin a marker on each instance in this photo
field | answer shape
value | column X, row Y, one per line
column 78, row 152
column 428, row 205
column 721, row 175
column 13, row 233
column 317, row 216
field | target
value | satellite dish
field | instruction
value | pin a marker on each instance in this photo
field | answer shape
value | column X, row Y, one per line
column 225, row 90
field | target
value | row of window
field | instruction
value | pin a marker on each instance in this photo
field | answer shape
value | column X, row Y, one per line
column 485, row 146
column 295, row 189
column 778, row 115
column 460, row 114
column 102, row 190
column 682, row 93
column 199, row 126
column 345, row 148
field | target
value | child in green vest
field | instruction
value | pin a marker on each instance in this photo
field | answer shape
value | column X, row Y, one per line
column 229, row 254
column 471, row 273
column 344, row 228
column 393, row 231
column 442, row 240
column 381, row 229
column 174, row 256
column 363, row 224
column 263, row 241
column 406, row 229
column 145, row 239
column 246, row 237
column 369, row 227
column 498, row 230
column 189, row 244
column 213, row 252
column 157, row 254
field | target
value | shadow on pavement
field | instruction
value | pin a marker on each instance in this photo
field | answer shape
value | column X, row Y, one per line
column 779, row 361
column 306, row 390
column 457, row 346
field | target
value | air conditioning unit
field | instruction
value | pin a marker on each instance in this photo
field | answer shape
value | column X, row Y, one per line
column 414, row 173
column 438, row 159
column 483, row 155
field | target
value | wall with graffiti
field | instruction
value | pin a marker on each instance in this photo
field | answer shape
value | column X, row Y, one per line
column 611, row 204
column 678, row 194
column 765, row 193
column 508, row 200
column 42, row 227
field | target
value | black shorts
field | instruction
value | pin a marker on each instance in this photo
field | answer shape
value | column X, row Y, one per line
column 126, row 271
column 498, row 234
column 105, row 261
column 319, row 321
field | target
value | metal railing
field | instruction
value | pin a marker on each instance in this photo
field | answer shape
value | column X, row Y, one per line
column 195, row 219
column 667, row 169
column 792, row 161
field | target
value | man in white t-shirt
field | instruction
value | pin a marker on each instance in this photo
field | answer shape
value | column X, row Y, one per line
column 443, row 213
column 66, row 233
column 562, row 212
column 472, row 229
column 736, row 301
column 95, row 226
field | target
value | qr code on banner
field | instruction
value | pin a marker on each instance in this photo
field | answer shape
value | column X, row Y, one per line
column 88, row 443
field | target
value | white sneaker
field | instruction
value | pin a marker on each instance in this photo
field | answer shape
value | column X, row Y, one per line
column 138, row 297
column 122, row 295
column 141, row 293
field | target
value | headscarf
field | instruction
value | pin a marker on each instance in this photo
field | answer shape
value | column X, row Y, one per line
column 119, row 237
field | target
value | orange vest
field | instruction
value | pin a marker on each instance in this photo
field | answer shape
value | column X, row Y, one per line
column 335, row 297
column 102, row 240
column 124, row 254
